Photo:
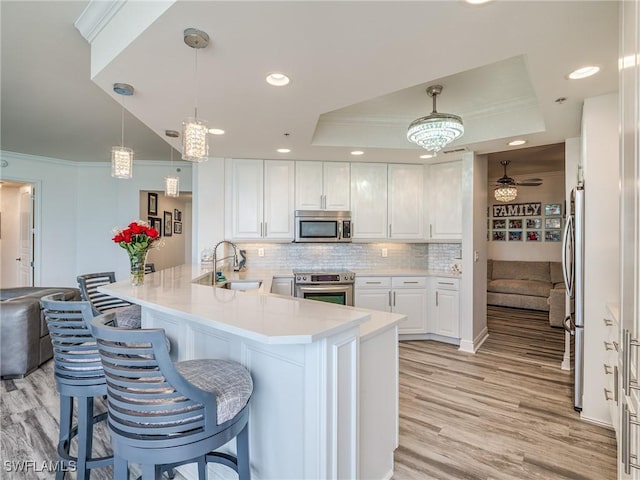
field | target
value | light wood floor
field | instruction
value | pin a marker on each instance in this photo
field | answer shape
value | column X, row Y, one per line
column 503, row 413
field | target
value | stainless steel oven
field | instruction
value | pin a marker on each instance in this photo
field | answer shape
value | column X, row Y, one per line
column 325, row 286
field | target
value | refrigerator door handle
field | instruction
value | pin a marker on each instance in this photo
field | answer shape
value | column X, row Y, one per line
column 567, row 243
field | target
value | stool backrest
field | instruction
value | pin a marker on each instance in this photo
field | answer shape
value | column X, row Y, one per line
column 147, row 397
column 101, row 302
column 75, row 351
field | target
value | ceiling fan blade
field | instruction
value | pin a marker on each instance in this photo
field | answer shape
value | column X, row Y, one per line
column 532, row 180
column 528, row 184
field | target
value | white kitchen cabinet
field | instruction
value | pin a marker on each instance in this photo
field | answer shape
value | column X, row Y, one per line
column 282, row 286
column 404, row 295
column 406, row 202
column 444, row 307
column 444, row 185
column 322, row 186
column 369, row 201
column 260, row 199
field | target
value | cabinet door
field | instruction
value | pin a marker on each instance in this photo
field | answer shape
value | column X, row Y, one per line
column 411, row 302
column 375, row 299
column 336, row 186
column 309, row 194
column 247, row 197
column 445, row 205
column 278, row 200
column 445, row 316
column 282, row 286
column 369, row 200
column 406, row 202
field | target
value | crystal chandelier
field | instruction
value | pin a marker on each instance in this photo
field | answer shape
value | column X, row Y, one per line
column 195, row 145
column 435, row 130
column 171, row 182
column 122, row 157
column 505, row 193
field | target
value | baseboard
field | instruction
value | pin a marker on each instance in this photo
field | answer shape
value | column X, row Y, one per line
column 600, row 423
column 473, row 346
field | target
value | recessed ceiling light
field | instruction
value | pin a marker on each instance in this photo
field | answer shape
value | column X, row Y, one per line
column 477, row 2
column 283, row 150
column 216, row 131
column 515, row 143
column 357, row 152
column 584, row 72
column 426, row 155
column 278, row 79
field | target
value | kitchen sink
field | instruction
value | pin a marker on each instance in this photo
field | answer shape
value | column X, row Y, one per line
column 241, row 284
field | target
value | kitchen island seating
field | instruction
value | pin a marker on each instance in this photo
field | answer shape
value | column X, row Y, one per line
column 128, row 315
column 163, row 414
column 79, row 375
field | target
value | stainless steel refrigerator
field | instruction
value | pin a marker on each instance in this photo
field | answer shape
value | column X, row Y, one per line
column 573, row 270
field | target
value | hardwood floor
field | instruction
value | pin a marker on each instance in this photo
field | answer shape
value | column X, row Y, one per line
column 503, row 413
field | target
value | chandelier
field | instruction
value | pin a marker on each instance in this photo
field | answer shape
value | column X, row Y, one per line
column 172, row 182
column 195, row 145
column 435, row 130
column 121, row 156
column 505, row 193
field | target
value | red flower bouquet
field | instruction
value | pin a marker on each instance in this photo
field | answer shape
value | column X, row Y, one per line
column 137, row 239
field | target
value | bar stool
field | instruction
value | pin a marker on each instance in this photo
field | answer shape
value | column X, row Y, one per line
column 79, row 375
column 129, row 315
column 163, row 414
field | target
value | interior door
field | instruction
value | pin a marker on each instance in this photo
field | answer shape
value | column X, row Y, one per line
column 26, row 237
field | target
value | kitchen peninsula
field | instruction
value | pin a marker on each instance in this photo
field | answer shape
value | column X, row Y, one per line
column 325, row 401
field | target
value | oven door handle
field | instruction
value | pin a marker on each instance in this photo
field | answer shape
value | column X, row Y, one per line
column 323, row 288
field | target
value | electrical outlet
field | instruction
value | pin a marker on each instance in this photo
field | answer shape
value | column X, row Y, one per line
column 261, row 252
column 384, row 252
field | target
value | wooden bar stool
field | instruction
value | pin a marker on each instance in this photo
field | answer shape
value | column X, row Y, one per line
column 163, row 415
column 79, row 375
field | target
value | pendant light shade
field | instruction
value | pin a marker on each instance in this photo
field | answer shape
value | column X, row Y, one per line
column 435, row 130
column 171, row 182
column 506, row 193
column 195, row 143
column 121, row 156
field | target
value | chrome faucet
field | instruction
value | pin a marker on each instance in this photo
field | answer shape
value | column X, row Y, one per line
column 216, row 260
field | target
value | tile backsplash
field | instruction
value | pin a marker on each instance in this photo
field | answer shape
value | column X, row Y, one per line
column 284, row 256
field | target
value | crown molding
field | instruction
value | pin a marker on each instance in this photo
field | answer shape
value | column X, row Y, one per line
column 96, row 16
column 9, row 156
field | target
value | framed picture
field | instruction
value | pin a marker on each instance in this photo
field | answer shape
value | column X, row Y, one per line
column 152, row 203
column 552, row 235
column 168, row 224
column 515, row 236
column 156, row 222
column 499, row 223
column 553, row 209
column 553, row 222
column 177, row 227
column 499, row 236
column 177, row 215
column 533, row 236
column 515, row 223
column 534, row 223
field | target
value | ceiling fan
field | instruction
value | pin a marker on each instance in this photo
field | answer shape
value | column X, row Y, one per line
column 506, row 190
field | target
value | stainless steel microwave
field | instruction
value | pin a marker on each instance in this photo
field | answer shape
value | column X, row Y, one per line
column 322, row 226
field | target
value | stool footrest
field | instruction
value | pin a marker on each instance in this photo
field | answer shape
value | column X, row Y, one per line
column 223, row 459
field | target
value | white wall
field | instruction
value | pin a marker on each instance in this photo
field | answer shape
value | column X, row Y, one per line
column 9, row 207
column 601, row 177
column 208, row 205
column 552, row 190
column 78, row 205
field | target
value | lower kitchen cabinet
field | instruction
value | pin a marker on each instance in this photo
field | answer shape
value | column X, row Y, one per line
column 444, row 307
column 404, row 295
column 282, row 286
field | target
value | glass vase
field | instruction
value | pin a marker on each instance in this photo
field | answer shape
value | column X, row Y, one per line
column 137, row 259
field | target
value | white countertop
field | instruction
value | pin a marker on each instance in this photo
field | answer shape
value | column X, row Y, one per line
column 256, row 315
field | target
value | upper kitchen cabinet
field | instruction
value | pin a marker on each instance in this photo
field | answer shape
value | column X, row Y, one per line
column 406, row 202
column 322, row 186
column 369, row 201
column 260, row 199
column 444, row 186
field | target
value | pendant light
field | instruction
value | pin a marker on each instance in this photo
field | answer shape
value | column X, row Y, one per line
column 171, row 182
column 195, row 144
column 435, row 130
column 122, row 157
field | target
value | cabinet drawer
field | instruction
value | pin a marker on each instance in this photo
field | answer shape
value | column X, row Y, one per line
column 373, row 282
column 446, row 283
column 409, row 282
